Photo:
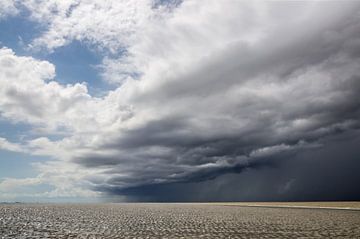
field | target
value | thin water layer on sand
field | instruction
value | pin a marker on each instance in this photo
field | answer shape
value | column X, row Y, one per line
column 173, row 221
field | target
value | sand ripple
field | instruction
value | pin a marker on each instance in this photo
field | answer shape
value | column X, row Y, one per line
column 173, row 221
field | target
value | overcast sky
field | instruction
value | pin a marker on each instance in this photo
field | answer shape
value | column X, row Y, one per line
column 170, row 100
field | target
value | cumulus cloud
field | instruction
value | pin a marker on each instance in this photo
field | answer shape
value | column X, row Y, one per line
column 28, row 93
column 205, row 89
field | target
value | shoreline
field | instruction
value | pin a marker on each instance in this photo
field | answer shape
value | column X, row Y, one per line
column 354, row 206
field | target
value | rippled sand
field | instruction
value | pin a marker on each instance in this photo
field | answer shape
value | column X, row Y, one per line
column 173, row 221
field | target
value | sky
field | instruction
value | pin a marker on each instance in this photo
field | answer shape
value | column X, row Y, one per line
column 170, row 100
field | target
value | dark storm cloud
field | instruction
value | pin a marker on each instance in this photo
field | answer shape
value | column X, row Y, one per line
column 248, row 120
column 324, row 173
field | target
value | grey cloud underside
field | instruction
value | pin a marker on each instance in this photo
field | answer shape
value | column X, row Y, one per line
column 326, row 173
column 246, row 109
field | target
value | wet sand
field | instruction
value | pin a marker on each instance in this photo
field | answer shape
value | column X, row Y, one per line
column 173, row 221
column 314, row 205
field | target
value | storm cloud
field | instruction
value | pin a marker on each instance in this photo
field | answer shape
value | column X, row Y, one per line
column 245, row 107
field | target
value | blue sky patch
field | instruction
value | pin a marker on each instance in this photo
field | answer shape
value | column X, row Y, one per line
column 17, row 32
column 18, row 165
column 76, row 63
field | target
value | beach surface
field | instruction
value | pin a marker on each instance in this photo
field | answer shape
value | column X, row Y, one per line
column 310, row 205
column 179, row 220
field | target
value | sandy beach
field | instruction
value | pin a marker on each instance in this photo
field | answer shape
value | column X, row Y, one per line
column 189, row 220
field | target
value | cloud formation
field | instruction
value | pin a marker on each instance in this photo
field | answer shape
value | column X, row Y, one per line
column 6, row 145
column 204, row 90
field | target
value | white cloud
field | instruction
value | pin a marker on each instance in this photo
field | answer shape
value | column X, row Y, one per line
column 8, row 8
column 10, row 184
column 30, row 95
column 110, row 25
column 17, row 188
column 6, row 145
column 276, row 149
